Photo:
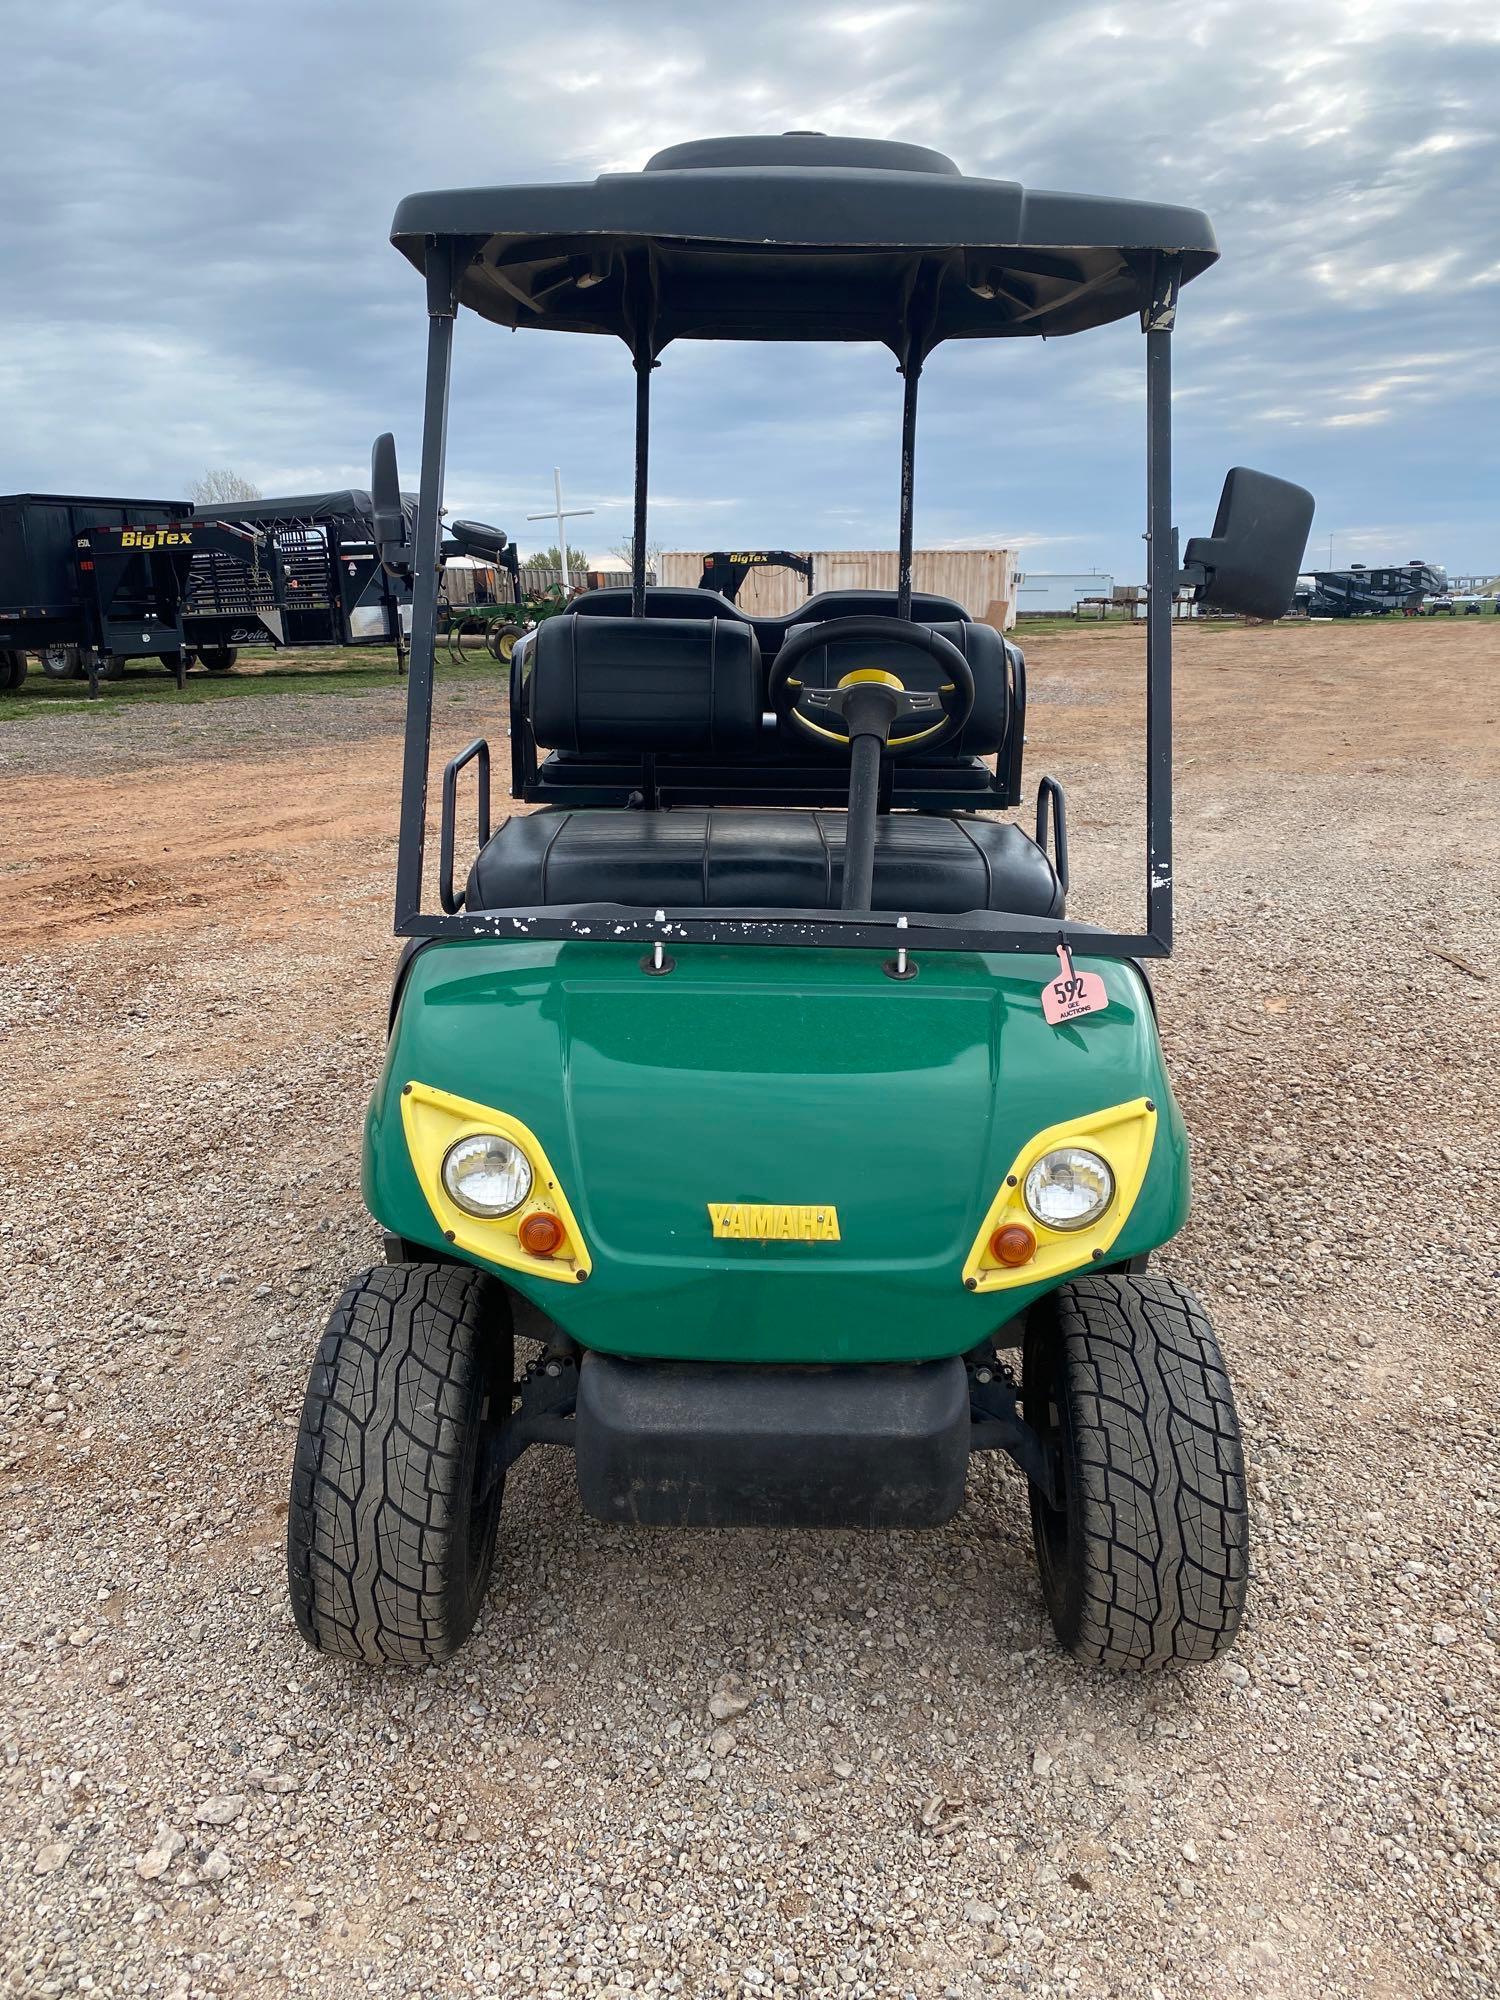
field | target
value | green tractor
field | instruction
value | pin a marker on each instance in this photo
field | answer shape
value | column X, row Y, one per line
column 758, row 1079
column 499, row 628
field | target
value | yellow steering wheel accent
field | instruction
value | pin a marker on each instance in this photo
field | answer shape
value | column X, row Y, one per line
column 816, row 728
column 834, row 736
column 852, row 679
column 877, row 674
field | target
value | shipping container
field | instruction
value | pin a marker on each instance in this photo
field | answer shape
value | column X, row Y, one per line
column 981, row 580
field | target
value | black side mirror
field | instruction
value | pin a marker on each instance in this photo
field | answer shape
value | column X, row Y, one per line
column 387, row 515
column 1251, row 561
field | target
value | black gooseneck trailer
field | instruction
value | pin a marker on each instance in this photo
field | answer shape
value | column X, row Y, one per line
column 331, row 588
column 89, row 583
column 725, row 570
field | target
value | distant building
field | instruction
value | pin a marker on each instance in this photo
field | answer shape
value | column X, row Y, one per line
column 981, row 580
column 1040, row 592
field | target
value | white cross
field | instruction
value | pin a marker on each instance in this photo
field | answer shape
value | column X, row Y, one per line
column 559, row 514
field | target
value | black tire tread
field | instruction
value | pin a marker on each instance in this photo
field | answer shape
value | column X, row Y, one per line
column 377, row 1556
column 1156, row 1458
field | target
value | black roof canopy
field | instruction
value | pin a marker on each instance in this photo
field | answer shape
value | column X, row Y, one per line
column 349, row 505
column 802, row 237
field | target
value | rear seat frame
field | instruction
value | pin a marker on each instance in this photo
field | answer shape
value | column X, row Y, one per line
column 969, row 784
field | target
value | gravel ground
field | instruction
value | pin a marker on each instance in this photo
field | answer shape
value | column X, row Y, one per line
column 752, row 1764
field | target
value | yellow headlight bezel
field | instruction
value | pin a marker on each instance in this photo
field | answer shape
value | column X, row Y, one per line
column 1123, row 1137
column 434, row 1121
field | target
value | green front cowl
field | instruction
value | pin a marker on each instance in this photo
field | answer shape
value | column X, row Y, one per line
column 770, row 1075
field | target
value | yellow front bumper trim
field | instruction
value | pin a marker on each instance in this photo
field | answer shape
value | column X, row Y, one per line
column 433, row 1121
column 1123, row 1137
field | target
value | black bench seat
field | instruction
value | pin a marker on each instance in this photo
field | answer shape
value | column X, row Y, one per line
column 730, row 858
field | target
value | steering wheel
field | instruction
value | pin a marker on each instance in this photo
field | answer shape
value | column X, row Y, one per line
column 909, row 716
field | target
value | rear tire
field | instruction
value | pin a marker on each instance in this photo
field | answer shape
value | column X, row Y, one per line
column 390, row 1541
column 12, row 671
column 218, row 659
column 1145, row 1561
column 61, row 663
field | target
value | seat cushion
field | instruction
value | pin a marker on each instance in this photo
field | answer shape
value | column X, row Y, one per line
column 724, row 858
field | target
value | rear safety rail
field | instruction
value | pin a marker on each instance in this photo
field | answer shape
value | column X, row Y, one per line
column 478, row 750
column 1052, row 808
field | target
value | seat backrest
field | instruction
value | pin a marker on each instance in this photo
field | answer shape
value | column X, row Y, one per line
column 981, row 645
column 663, row 600
column 603, row 685
column 771, row 630
column 926, row 608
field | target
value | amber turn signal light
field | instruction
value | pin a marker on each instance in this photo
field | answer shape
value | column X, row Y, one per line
column 540, row 1233
column 1014, row 1244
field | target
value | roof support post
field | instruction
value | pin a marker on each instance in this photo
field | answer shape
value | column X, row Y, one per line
column 643, row 366
column 919, row 320
column 639, row 304
column 445, row 259
column 1161, row 585
column 912, row 373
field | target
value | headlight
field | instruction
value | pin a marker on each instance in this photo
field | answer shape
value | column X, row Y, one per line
column 1069, row 1188
column 486, row 1174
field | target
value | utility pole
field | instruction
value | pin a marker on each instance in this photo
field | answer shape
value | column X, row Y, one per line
column 560, row 514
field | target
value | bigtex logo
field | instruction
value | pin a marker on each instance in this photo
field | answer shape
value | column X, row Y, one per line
column 772, row 1222
column 156, row 538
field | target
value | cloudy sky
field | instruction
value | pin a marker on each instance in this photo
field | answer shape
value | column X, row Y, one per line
column 195, row 198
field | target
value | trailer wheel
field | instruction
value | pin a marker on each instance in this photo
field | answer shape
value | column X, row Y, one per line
column 1145, row 1560
column 61, row 663
column 504, row 641
column 12, row 671
column 218, row 659
column 112, row 667
column 169, row 662
column 391, row 1531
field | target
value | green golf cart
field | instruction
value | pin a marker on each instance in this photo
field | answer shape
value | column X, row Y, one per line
column 758, row 1079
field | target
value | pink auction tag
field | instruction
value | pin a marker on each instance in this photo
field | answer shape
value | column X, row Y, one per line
column 1073, row 993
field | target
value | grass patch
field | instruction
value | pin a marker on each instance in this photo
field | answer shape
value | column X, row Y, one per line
column 1038, row 627
column 260, row 672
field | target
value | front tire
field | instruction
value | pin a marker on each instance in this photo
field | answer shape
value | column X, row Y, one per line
column 1145, row 1560
column 391, row 1533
